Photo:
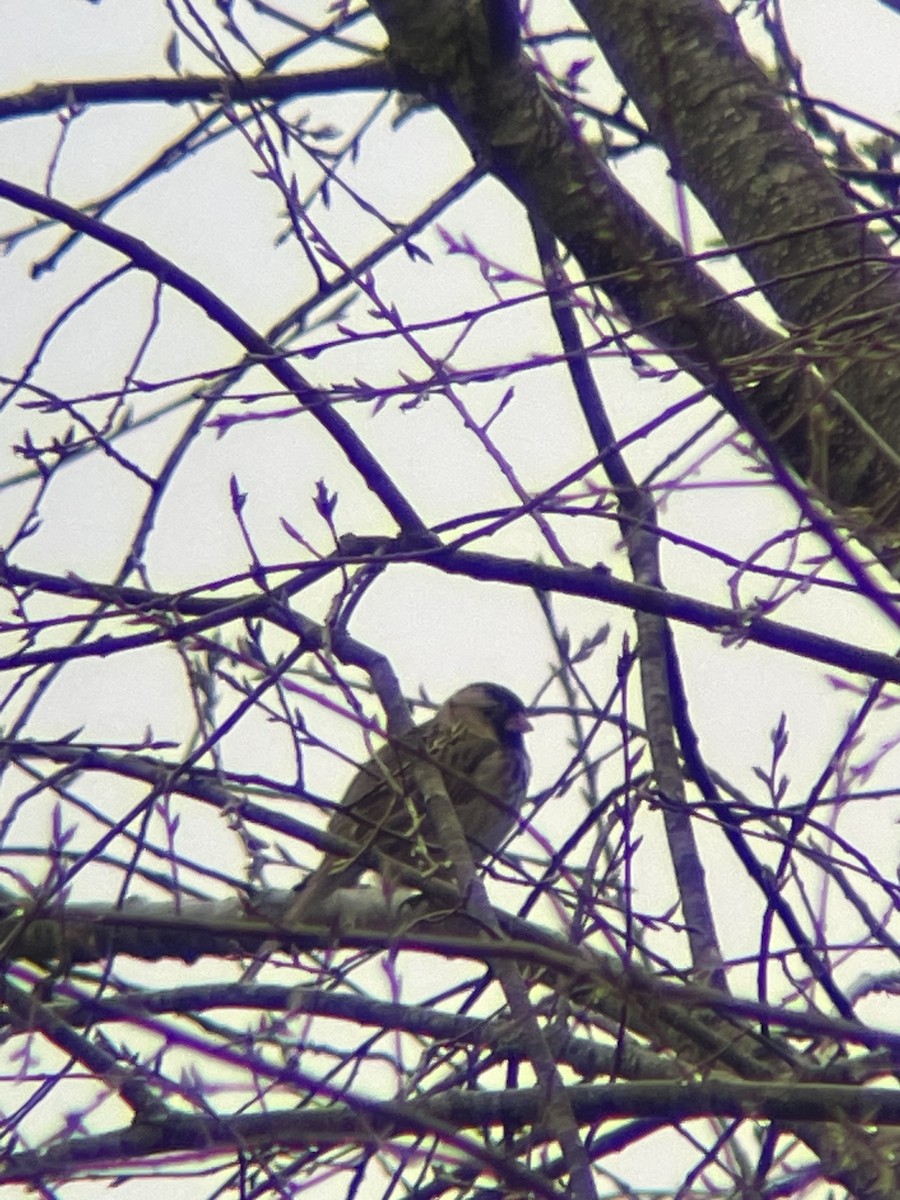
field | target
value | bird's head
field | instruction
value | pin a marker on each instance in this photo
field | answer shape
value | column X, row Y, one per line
column 488, row 709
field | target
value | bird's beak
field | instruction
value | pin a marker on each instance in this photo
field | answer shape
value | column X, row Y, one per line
column 519, row 723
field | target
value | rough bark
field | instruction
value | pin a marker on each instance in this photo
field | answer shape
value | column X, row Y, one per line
column 819, row 400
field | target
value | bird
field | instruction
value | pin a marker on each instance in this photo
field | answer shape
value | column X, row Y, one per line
column 476, row 741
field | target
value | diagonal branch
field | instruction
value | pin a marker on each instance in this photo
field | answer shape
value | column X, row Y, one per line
column 313, row 401
column 656, row 651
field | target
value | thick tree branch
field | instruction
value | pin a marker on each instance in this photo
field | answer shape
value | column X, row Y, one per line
column 445, row 1115
column 372, row 75
column 832, row 281
column 512, row 127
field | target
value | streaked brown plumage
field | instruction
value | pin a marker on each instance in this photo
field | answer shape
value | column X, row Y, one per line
column 475, row 739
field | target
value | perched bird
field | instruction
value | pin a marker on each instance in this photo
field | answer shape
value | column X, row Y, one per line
column 475, row 740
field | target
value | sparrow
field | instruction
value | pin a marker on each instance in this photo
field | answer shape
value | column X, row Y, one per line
column 475, row 740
